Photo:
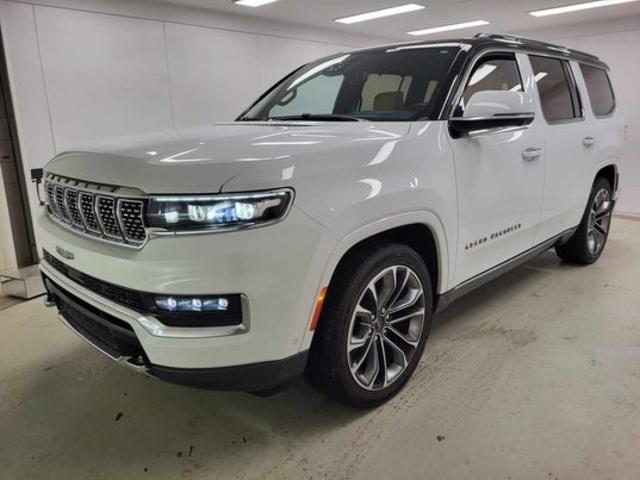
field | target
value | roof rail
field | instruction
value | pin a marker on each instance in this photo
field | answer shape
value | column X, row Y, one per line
column 534, row 43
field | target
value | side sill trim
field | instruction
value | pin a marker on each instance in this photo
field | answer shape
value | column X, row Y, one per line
column 448, row 297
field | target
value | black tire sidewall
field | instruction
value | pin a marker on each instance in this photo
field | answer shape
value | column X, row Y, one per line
column 342, row 301
column 577, row 248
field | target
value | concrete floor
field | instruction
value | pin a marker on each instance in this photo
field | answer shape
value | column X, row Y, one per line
column 536, row 375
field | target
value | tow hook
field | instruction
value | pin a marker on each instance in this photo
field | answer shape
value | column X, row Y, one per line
column 49, row 301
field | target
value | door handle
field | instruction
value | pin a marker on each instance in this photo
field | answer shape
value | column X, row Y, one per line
column 588, row 141
column 531, row 153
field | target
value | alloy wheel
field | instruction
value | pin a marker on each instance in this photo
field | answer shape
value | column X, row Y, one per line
column 599, row 221
column 386, row 327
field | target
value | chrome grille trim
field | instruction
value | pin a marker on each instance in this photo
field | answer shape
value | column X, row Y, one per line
column 61, row 207
column 96, row 211
column 130, row 215
column 105, row 213
column 71, row 202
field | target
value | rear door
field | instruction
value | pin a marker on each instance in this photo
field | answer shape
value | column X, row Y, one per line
column 499, row 188
column 605, row 130
column 569, row 155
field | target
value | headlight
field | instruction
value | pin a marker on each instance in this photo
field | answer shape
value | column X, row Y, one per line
column 218, row 212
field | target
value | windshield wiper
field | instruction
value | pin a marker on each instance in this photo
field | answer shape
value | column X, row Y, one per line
column 328, row 117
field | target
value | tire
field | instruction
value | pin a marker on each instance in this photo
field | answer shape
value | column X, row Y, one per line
column 587, row 244
column 342, row 358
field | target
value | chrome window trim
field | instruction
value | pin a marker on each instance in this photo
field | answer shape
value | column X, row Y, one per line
column 453, row 98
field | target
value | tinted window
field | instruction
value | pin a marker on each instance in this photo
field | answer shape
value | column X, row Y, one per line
column 398, row 84
column 376, row 90
column 599, row 89
column 492, row 73
column 317, row 95
column 558, row 95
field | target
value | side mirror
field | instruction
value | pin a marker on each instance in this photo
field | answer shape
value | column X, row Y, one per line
column 491, row 111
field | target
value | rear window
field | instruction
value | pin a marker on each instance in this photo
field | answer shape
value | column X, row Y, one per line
column 599, row 89
column 558, row 94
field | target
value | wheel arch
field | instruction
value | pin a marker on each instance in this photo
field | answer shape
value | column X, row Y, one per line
column 394, row 228
column 609, row 171
column 422, row 231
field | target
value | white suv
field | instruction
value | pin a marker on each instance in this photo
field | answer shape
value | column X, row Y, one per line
column 322, row 229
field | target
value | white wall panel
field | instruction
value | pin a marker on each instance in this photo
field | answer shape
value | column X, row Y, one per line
column 617, row 48
column 116, row 68
column 279, row 56
column 624, row 75
column 213, row 73
column 27, row 84
column 105, row 75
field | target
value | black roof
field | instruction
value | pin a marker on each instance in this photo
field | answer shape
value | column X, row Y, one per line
column 488, row 40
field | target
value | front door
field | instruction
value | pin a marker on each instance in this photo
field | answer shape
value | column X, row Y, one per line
column 499, row 181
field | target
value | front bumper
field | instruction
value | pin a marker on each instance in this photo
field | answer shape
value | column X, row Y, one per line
column 118, row 341
column 278, row 269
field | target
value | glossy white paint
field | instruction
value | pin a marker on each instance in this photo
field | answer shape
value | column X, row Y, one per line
column 572, row 162
column 352, row 180
column 490, row 103
column 498, row 190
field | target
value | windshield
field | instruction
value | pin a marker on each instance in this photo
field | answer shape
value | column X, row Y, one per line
column 398, row 84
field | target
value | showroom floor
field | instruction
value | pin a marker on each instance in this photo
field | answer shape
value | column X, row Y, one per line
column 535, row 375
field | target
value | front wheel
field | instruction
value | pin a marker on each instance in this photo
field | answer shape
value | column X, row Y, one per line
column 374, row 326
column 587, row 243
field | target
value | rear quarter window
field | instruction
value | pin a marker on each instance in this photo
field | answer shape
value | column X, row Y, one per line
column 599, row 90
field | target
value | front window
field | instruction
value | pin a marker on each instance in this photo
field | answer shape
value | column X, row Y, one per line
column 492, row 72
column 399, row 84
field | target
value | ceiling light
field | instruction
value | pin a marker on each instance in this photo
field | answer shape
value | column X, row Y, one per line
column 577, row 7
column 446, row 28
column 386, row 12
column 253, row 3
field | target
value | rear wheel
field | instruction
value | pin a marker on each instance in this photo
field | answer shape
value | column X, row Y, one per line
column 588, row 242
column 374, row 326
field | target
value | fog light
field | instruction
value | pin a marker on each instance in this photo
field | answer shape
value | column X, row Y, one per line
column 192, row 304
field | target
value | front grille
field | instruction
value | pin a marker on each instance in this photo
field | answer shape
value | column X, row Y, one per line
column 118, row 294
column 61, row 207
column 88, row 213
column 72, row 206
column 91, row 212
column 107, row 216
column 132, row 220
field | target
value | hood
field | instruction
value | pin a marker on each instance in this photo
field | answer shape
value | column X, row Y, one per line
column 228, row 157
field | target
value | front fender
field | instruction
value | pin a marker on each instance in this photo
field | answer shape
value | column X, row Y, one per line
column 427, row 218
